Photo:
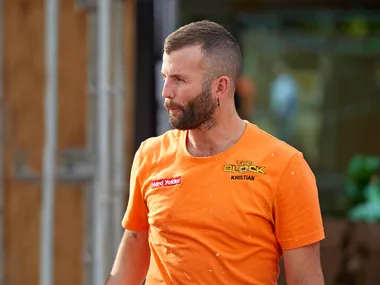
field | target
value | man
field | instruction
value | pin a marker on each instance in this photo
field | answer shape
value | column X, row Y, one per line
column 245, row 97
column 217, row 200
column 283, row 102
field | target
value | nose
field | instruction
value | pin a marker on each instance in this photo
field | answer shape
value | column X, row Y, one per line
column 167, row 90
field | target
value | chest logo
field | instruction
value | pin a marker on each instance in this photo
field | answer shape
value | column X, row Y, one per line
column 167, row 182
column 245, row 169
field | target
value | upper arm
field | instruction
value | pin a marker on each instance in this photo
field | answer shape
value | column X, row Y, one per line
column 135, row 241
column 132, row 259
column 298, row 223
column 297, row 215
column 136, row 215
column 302, row 265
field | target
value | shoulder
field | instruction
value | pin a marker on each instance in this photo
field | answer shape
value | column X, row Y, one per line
column 164, row 145
column 283, row 160
column 276, row 155
column 163, row 141
column 270, row 145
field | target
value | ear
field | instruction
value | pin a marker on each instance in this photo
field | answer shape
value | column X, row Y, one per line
column 222, row 85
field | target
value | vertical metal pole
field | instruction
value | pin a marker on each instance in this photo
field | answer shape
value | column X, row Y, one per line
column 90, row 210
column 165, row 13
column 50, row 145
column 118, row 125
column 2, row 249
column 102, row 173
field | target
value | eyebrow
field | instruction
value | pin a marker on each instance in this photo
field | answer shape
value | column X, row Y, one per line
column 174, row 75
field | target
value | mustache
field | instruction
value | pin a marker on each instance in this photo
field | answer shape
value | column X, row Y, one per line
column 171, row 105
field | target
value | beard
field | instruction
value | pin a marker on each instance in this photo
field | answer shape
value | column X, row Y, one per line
column 198, row 113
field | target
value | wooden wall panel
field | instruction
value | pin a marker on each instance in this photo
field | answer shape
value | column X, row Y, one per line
column 23, row 79
column 24, row 93
column 24, row 112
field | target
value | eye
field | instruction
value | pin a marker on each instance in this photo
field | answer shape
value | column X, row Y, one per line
column 180, row 79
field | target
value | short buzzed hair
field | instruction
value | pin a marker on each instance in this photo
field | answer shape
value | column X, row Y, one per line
column 218, row 46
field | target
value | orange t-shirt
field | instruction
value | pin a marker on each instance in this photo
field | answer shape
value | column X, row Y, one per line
column 223, row 219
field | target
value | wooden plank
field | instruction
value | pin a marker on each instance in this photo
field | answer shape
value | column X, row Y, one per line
column 24, row 99
column 24, row 93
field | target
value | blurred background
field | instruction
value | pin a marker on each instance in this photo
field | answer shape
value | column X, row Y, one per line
column 80, row 89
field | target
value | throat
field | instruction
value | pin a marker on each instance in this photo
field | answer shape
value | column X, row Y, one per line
column 202, row 151
column 209, row 143
column 209, row 148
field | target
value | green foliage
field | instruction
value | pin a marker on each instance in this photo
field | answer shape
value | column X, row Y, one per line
column 363, row 189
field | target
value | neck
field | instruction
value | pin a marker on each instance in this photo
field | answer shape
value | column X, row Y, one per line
column 208, row 142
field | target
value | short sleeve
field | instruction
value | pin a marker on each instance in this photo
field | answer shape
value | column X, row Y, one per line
column 136, row 215
column 297, row 214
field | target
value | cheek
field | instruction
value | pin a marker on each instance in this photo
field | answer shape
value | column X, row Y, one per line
column 186, row 92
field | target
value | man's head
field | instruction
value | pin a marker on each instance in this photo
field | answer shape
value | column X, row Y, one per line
column 201, row 64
